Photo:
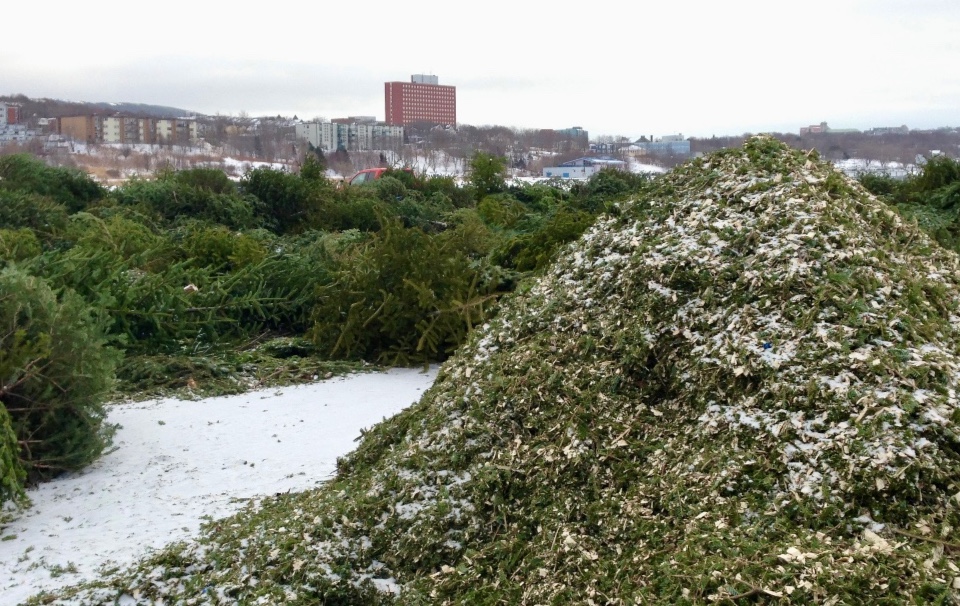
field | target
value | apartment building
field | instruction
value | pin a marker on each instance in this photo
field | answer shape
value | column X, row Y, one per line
column 423, row 99
column 127, row 129
column 175, row 130
column 85, row 129
column 358, row 133
column 10, row 128
column 322, row 135
column 9, row 114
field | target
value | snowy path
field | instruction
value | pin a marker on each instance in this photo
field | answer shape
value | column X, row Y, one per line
column 178, row 462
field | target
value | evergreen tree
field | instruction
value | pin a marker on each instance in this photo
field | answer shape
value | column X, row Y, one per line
column 487, row 174
column 317, row 156
column 286, row 198
column 12, row 474
column 70, row 187
column 55, row 370
column 313, row 169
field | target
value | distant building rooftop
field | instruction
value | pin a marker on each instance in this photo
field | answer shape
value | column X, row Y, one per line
column 595, row 161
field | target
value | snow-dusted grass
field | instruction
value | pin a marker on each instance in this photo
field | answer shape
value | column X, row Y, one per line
column 178, row 463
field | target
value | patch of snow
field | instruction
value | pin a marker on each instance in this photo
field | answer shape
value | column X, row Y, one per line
column 179, row 463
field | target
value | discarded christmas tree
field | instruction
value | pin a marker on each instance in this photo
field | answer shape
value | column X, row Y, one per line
column 741, row 387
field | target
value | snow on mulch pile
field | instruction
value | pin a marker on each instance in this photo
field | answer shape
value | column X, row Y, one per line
column 741, row 388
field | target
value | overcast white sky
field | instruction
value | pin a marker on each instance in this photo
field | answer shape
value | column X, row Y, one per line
column 697, row 67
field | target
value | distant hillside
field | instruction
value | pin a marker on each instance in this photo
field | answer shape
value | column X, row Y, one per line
column 54, row 108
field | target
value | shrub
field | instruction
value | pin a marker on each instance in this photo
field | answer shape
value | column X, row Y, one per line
column 538, row 197
column 880, row 185
column 352, row 208
column 390, row 189
column 608, row 185
column 124, row 237
column 430, row 215
column 407, row 178
column 55, row 369
column 931, row 198
column 474, row 237
column 314, row 166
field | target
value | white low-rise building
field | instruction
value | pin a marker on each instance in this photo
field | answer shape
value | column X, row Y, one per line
column 582, row 168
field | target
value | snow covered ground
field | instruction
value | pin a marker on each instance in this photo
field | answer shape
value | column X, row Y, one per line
column 178, row 463
column 855, row 167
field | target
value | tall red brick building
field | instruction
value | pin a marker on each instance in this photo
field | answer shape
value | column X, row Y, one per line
column 422, row 99
column 9, row 113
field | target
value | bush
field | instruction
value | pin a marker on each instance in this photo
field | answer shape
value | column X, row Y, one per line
column 55, row 370
column 431, row 214
column 390, row 189
column 123, row 237
column 937, row 172
column 931, row 198
column 538, row 197
column 352, row 208
column 880, row 185
column 406, row 177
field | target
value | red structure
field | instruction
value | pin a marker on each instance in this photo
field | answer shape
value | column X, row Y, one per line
column 9, row 113
column 420, row 100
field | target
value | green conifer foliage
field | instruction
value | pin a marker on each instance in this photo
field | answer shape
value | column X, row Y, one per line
column 12, row 474
column 740, row 389
column 18, row 244
column 404, row 296
column 487, row 174
column 70, row 187
column 190, row 195
column 23, row 210
column 288, row 201
column 55, row 369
